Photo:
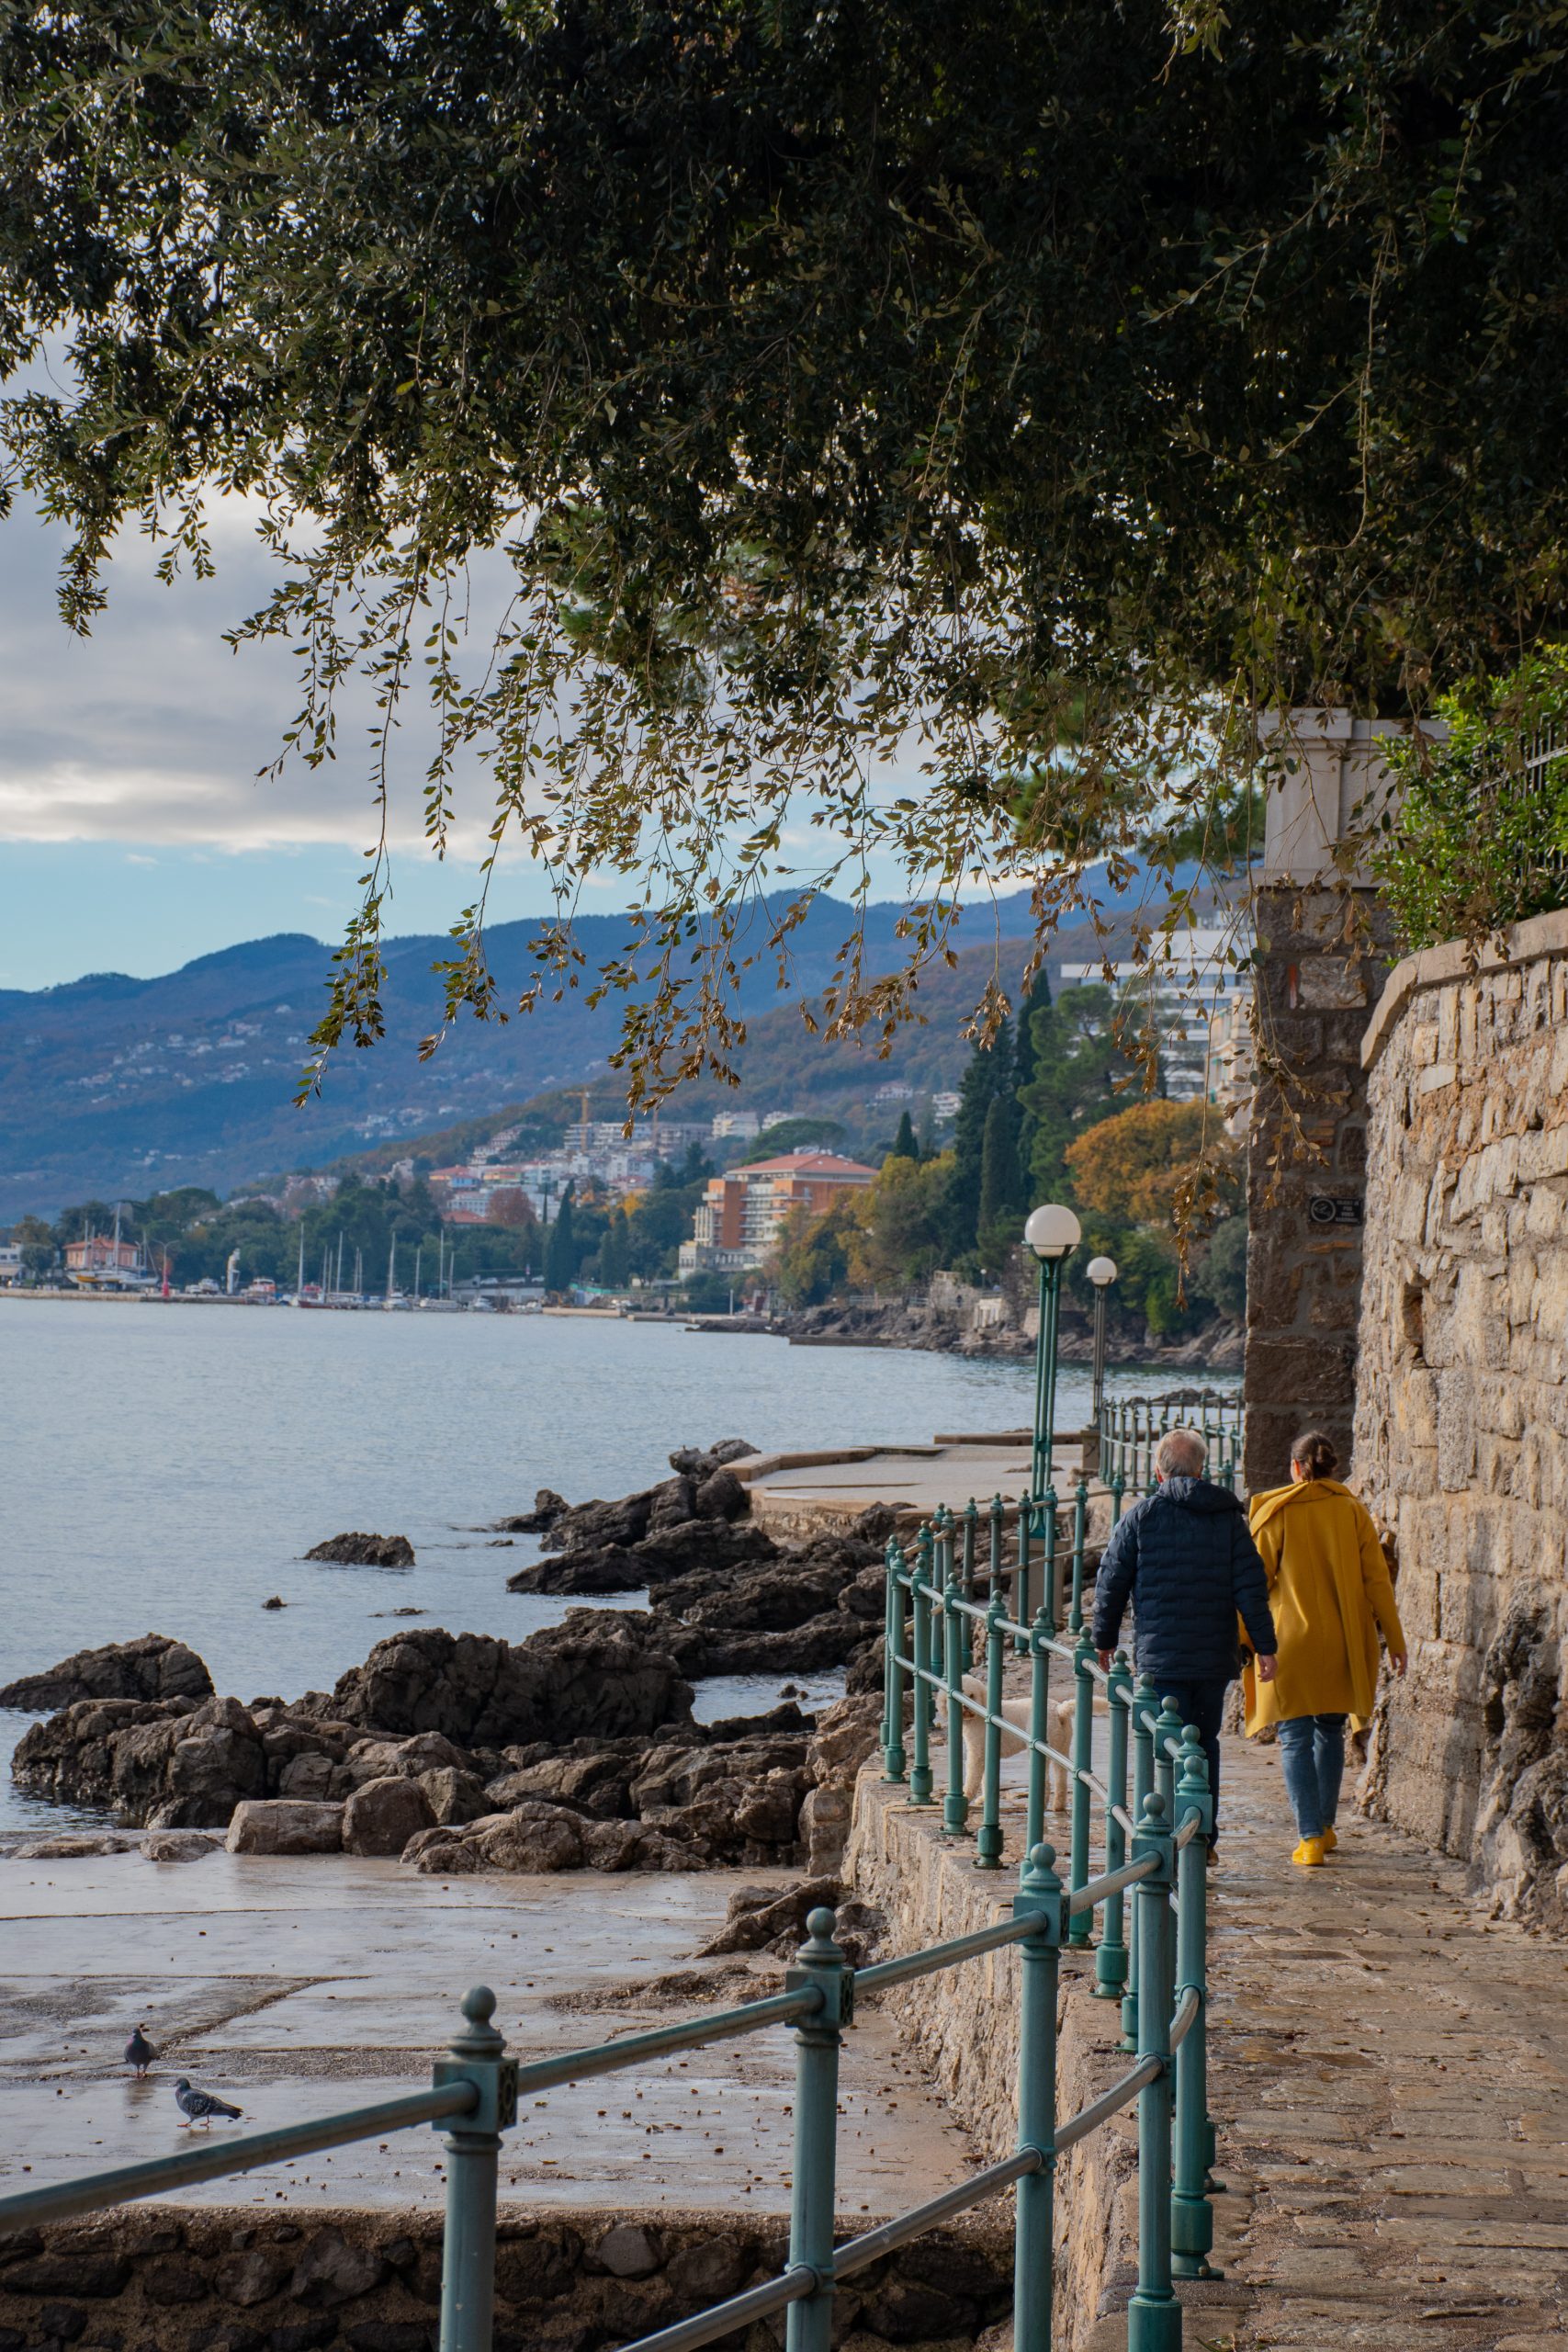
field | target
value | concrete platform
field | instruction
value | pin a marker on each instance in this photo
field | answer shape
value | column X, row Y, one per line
column 293, row 1987
column 795, row 1495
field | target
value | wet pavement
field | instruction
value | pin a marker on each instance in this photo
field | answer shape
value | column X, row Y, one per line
column 294, row 1987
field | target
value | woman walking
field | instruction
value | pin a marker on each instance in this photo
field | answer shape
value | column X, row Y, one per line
column 1331, row 1594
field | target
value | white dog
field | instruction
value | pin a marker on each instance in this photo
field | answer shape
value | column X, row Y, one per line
column 1015, row 1712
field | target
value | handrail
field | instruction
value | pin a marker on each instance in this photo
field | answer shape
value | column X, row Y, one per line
column 124, row 2183
column 1156, row 1800
column 691, row 2033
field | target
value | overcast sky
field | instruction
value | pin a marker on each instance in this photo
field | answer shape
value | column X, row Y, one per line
column 133, row 831
column 134, row 834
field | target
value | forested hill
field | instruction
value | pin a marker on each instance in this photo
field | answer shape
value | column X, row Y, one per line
column 111, row 1085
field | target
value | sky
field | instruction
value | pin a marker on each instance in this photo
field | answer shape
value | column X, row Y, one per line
column 135, row 830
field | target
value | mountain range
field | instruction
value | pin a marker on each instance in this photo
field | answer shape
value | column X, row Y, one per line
column 114, row 1086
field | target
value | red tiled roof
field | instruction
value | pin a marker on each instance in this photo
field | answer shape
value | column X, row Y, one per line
column 804, row 1163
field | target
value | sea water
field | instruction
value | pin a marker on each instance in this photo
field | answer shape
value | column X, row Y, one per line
column 167, row 1467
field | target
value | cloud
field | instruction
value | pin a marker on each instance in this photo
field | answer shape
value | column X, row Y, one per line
column 151, row 731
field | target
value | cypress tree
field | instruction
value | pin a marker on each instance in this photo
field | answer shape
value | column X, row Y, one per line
column 1036, row 1040
column 561, row 1252
column 1000, row 1196
column 904, row 1144
column 990, row 1072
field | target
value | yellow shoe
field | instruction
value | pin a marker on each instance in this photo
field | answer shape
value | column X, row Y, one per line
column 1308, row 1855
column 1329, row 1841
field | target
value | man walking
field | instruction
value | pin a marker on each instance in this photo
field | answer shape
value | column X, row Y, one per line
column 1186, row 1560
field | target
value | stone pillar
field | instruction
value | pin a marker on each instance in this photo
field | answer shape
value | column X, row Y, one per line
column 1324, row 950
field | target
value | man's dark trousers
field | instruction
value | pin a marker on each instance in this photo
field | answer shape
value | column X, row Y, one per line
column 1203, row 1703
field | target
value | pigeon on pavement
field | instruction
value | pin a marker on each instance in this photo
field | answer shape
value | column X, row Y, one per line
column 140, row 2052
column 201, row 2107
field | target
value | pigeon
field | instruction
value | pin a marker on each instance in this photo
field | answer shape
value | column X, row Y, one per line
column 140, row 2052
column 201, row 2107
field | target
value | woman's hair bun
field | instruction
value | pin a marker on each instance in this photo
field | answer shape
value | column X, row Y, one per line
column 1314, row 1453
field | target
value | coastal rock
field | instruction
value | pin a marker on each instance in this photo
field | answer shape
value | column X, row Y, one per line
column 155, row 1666
column 842, row 1739
column 357, row 1550
column 756, row 1916
column 454, row 1798
column 548, row 1507
column 702, row 1461
column 532, row 1837
column 169, row 1765
column 176, row 1846
column 721, row 1496
column 286, row 1825
column 381, row 1816
column 825, row 1828
column 611, row 1569
column 592, row 1526
column 595, row 1673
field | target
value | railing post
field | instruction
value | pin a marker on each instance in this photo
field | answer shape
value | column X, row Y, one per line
column 1040, row 1893
column 930, row 1657
column 893, row 1676
column 998, row 1575
column 473, row 2145
column 1080, row 1540
column 1021, row 1586
column 1118, row 1495
column 988, row 1841
column 1191, row 2215
column 971, row 1521
column 813, row 2195
column 920, row 1760
column 1168, row 1736
column 1080, row 1930
column 1154, row 2316
column 1145, row 1703
column 955, row 1805
column 1110, row 1960
column 1039, row 1731
column 1048, row 1510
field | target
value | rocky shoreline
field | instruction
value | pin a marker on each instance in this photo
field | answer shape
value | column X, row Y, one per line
column 1219, row 1346
column 573, row 1748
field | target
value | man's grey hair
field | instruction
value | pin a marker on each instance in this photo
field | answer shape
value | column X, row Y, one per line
column 1180, row 1453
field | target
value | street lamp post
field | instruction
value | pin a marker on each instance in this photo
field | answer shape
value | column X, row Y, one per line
column 1053, row 1233
column 1101, row 1272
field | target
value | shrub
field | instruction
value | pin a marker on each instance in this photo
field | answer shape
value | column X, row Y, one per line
column 1477, row 845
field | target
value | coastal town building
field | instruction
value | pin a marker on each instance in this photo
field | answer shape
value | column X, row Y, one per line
column 102, row 1261
column 739, row 1220
column 1192, row 989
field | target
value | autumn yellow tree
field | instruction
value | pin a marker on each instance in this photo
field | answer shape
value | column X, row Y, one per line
column 1157, row 1163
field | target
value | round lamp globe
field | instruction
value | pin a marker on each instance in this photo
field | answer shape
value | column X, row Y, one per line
column 1101, row 1271
column 1051, row 1231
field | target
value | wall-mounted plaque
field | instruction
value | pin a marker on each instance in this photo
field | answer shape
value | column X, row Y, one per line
column 1334, row 1208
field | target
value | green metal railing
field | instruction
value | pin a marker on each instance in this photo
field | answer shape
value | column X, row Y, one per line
column 945, row 1649
column 1152, row 1891
column 1131, row 1428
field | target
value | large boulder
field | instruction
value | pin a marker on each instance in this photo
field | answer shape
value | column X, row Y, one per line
column 599, row 1672
column 548, row 1507
column 166, row 1764
column 357, row 1550
column 381, row 1816
column 155, row 1666
column 285, row 1826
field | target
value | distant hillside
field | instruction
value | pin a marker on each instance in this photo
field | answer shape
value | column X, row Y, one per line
column 110, row 1085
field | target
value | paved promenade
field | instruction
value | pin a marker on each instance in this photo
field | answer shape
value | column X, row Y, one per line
column 1390, row 2082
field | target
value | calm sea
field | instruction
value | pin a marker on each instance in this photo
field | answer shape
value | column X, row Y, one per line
column 166, row 1467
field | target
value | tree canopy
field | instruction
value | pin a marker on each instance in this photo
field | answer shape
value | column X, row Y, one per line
column 963, row 418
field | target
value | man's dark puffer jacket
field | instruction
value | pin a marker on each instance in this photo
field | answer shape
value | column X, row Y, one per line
column 1185, row 1558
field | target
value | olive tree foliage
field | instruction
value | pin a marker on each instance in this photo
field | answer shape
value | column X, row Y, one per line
column 1007, row 401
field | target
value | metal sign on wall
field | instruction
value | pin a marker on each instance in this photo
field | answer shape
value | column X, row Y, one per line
column 1334, row 1208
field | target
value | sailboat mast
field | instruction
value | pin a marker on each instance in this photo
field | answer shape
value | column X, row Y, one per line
column 392, row 1267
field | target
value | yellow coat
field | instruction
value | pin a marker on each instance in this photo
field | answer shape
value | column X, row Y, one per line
column 1331, row 1594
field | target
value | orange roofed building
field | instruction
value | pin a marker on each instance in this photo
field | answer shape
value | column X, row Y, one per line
column 738, row 1222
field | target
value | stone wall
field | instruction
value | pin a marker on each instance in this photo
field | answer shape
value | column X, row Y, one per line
column 161, row 2279
column 1319, row 967
column 963, row 2023
column 1462, row 1420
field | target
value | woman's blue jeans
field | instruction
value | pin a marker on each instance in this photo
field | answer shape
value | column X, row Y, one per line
column 1312, row 1751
